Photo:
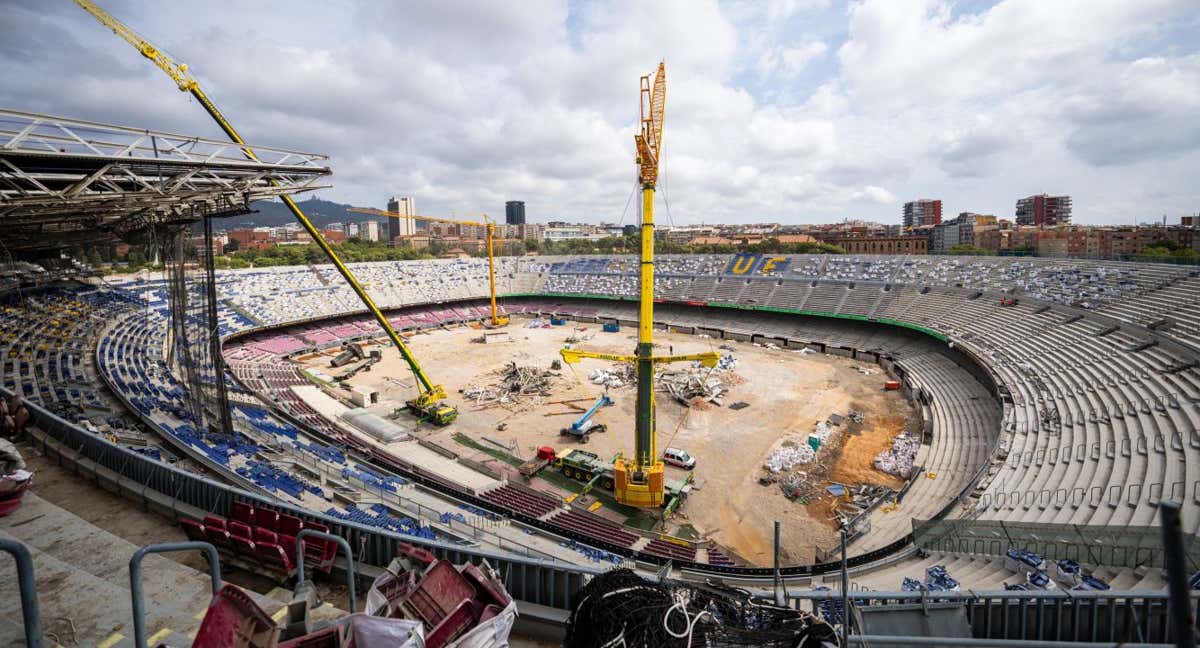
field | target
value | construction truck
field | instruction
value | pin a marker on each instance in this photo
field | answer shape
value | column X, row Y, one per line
column 589, row 469
column 585, row 426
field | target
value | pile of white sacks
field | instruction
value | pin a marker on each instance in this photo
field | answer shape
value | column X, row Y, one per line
column 899, row 459
column 786, row 458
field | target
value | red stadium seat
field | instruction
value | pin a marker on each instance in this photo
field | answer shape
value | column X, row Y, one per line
column 266, row 518
column 240, row 530
column 193, row 530
column 242, row 512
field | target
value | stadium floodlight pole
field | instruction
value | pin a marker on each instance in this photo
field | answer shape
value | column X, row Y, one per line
column 430, row 395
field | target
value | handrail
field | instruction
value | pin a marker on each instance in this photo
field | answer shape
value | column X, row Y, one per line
column 135, row 579
column 341, row 542
column 30, row 613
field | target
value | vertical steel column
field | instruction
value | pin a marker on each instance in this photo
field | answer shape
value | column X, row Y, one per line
column 30, row 613
column 845, row 593
column 214, row 332
column 135, row 579
column 1183, row 624
column 778, row 579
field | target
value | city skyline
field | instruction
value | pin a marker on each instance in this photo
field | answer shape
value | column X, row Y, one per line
column 798, row 112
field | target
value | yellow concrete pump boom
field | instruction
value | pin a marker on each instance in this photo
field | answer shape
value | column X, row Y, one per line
column 428, row 403
column 490, row 227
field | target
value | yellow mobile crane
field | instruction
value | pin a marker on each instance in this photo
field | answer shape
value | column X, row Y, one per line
column 428, row 403
column 639, row 480
column 497, row 319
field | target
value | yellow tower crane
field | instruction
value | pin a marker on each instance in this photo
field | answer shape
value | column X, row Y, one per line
column 428, row 403
column 639, row 480
column 497, row 319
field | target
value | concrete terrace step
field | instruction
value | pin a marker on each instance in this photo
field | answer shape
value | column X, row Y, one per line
column 83, row 575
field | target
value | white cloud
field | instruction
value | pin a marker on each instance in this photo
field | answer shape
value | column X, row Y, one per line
column 789, row 61
column 770, row 116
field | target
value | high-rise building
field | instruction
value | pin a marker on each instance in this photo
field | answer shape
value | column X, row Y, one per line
column 922, row 212
column 369, row 230
column 401, row 226
column 1044, row 211
column 514, row 212
column 351, row 230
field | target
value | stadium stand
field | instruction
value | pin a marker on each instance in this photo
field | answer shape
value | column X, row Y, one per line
column 1054, row 391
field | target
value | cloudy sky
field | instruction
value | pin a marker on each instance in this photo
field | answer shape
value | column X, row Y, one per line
column 781, row 110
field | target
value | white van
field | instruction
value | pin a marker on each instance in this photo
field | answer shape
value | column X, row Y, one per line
column 677, row 457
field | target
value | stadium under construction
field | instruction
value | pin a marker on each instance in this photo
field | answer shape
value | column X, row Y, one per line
column 735, row 450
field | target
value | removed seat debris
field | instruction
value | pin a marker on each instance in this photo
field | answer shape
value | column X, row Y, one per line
column 513, row 384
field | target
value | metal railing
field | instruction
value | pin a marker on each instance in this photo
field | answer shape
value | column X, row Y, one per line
column 543, row 582
column 138, row 598
column 30, row 614
column 1128, row 546
column 1050, row 615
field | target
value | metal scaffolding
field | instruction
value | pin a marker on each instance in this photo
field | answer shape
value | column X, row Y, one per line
column 68, row 181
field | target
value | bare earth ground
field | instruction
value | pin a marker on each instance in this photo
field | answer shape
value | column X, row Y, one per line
column 787, row 393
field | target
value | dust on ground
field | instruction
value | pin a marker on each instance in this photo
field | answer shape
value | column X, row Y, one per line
column 787, row 393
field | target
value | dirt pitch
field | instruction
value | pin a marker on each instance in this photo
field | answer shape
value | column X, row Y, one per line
column 787, row 393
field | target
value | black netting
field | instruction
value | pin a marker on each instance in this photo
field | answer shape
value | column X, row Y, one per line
column 619, row 608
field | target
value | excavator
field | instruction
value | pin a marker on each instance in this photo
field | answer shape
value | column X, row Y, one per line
column 640, row 480
column 497, row 319
column 429, row 402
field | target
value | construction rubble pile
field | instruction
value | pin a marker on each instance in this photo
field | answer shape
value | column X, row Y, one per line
column 899, row 459
column 613, row 377
column 799, row 450
column 513, row 384
column 857, row 499
column 699, row 384
column 692, row 387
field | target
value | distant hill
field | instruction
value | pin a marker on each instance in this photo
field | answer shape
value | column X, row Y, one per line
column 273, row 213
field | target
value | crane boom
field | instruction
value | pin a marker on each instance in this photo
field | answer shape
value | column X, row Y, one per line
column 428, row 401
column 496, row 318
column 707, row 359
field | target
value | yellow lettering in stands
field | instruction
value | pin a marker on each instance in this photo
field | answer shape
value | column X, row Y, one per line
column 770, row 264
column 742, row 264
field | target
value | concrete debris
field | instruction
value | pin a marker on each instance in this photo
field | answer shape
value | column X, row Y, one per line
column 785, row 458
column 613, row 377
column 513, row 382
column 855, row 416
column 899, row 459
column 795, row 486
column 689, row 385
column 866, row 371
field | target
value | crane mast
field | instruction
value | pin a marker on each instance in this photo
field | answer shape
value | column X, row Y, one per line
column 640, row 479
column 428, row 402
column 489, row 227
